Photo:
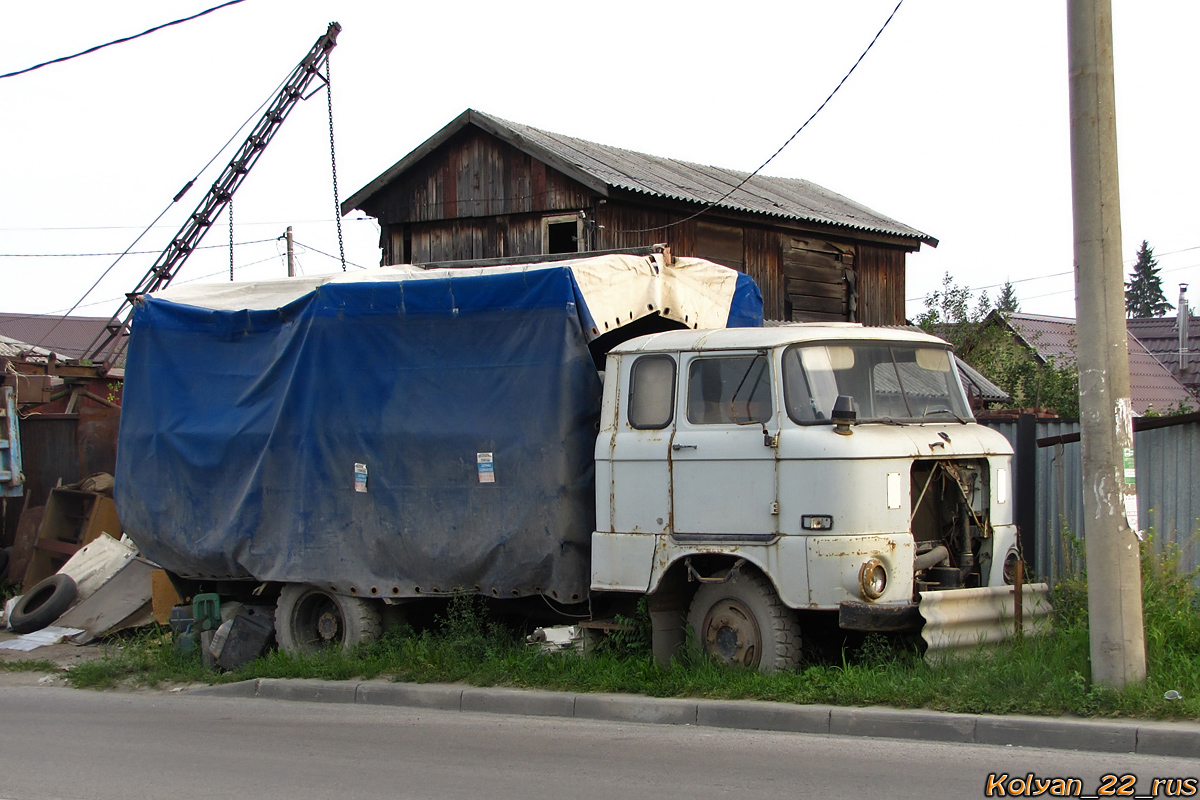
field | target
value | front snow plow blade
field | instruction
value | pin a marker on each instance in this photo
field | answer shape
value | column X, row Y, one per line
column 960, row 619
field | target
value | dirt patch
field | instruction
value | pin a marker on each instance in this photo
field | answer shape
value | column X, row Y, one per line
column 62, row 655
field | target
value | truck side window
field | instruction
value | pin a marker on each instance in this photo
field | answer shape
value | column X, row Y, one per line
column 732, row 390
column 652, row 392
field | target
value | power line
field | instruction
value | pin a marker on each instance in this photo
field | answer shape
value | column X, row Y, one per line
column 240, row 224
column 127, row 252
column 63, row 311
column 120, row 41
column 763, row 165
column 327, row 255
column 178, row 196
column 1059, row 275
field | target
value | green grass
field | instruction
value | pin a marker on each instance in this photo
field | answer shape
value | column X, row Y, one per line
column 28, row 666
column 1035, row 675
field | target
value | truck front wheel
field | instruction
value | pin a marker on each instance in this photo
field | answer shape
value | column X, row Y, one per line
column 308, row 619
column 742, row 621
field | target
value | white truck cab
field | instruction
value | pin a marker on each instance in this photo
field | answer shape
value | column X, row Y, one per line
column 748, row 477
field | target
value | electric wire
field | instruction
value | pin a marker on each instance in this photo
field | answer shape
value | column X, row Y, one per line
column 138, row 227
column 327, row 255
column 712, row 204
column 1068, row 272
column 178, row 196
column 120, row 41
column 131, row 252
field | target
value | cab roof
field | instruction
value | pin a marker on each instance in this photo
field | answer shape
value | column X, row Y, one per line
column 777, row 336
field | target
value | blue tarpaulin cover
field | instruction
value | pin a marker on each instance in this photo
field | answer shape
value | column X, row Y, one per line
column 397, row 437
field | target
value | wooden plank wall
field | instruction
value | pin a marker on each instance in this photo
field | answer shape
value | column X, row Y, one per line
column 881, row 284
column 473, row 175
column 464, row 239
column 763, row 265
column 818, row 279
column 638, row 226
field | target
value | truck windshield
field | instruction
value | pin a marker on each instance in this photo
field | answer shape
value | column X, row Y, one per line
column 890, row 382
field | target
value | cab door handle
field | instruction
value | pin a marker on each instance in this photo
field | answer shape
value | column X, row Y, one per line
column 683, row 447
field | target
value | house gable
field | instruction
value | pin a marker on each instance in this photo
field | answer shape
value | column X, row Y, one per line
column 485, row 188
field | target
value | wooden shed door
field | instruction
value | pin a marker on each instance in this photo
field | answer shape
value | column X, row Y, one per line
column 819, row 280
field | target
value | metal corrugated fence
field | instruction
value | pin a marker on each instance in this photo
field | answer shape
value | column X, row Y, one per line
column 1168, row 481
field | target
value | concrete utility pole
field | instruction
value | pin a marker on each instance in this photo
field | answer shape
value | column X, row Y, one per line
column 291, row 263
column 1118, row 644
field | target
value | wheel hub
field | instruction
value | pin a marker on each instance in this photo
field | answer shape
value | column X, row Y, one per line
column 329, row 626
column 731, row 634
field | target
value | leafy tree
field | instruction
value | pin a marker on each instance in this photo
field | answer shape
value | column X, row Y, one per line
column 1007, row 301
column 1143, row 294
column 994, row 350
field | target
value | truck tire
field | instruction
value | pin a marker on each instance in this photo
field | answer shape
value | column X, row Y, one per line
column 43, row 604
column 742, row 621
column 308, row 619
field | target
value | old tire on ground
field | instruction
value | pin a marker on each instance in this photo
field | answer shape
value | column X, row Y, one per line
column 308, row 619
column 742, row 621
column 43, row 604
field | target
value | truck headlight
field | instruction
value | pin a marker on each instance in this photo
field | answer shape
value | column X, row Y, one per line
column 872, row 579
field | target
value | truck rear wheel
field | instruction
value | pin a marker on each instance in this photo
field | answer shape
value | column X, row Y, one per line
column 308, row 619
column 742, row 621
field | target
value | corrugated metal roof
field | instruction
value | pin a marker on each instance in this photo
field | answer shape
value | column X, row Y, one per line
column 1160, row 335
column 69, row 337
column 614, row 167
column 978, row 385
column 1150, row 382
column 12, row 348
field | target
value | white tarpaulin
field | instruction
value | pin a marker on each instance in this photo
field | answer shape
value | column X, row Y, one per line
column 617, row 288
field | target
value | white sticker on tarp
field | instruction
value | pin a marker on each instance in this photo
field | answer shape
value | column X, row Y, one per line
column 360, row 477
column 487, row 467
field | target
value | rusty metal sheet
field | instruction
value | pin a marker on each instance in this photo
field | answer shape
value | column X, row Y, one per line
column 960, row 619
column 27, row 531
column 49, row 453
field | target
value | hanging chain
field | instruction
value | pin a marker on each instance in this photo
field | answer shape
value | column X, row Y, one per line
column 337, row 207
column 231, row 239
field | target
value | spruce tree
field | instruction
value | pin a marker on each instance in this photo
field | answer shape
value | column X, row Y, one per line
column 1143, row 294
column 1007, row 301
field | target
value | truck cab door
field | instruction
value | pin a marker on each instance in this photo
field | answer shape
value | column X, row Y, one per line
column 723, row 468
column 640, row 490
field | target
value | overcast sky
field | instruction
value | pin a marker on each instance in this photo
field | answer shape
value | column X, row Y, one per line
column 956, row 123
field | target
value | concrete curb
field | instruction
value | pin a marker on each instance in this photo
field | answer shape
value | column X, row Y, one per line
column 1178, row 739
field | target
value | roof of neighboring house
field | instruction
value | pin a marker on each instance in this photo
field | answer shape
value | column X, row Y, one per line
column 1160, row 335
column 13, row 348
column 69, row 337
column 1150, row 382
column 978, row 386
column 602, row 168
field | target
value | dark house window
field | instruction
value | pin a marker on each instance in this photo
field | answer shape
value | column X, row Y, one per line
column 560, row 234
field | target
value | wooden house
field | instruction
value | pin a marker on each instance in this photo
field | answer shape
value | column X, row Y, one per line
column 483, row 187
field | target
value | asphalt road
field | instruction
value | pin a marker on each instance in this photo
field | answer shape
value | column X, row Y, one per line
column 76, row 745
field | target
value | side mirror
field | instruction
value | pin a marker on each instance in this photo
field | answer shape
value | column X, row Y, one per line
column 843, row 414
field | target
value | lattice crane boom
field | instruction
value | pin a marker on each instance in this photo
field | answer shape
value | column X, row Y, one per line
column 168, row 264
